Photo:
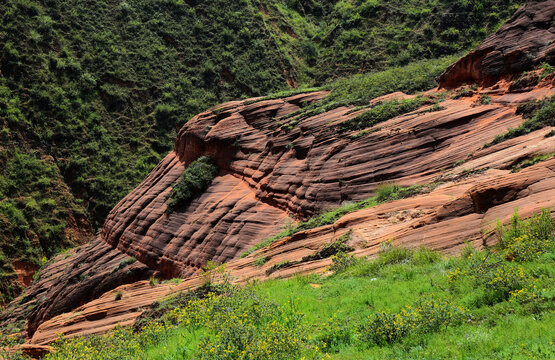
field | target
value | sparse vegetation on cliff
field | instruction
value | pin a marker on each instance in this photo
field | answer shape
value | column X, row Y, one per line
column 404, row 304
column 195, row 180
column 384, row 193
column 538, row 114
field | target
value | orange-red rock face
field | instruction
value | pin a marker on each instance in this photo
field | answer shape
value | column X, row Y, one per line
column 268, row 173
column 525, row 41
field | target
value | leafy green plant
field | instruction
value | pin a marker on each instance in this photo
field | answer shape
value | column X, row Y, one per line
column 195, row 180
column 547, row 70
column 428, row 316
column 260, row 261
column 525, row 240
column 485, row 99
column 341, row 261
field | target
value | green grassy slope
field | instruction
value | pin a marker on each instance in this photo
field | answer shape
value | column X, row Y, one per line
column 404, row 304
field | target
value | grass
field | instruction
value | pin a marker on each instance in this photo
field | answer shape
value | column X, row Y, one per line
column 384, row 193
column 404, row 304
column 532, row 161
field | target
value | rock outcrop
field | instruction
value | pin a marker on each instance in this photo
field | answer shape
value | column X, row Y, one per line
column 525, row 41
column 268, row 173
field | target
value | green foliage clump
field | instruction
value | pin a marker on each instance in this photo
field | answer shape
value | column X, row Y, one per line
column 532, row 161
column 381, row 113
column 526, row 240
column 538, row 114
column 195, row 180
column 547, row 70
column 341, row 261
column 428, row 316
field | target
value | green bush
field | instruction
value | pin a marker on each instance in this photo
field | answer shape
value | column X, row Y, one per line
column 334, row 334
column 341, row 261
column 526, row 240
column 195, row 180
column 428, row 316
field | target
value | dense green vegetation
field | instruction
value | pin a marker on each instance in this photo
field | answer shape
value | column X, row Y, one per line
column 101, row 86
column 337, row 38
column 35, row 205
column 404, row 304
column 195, row 180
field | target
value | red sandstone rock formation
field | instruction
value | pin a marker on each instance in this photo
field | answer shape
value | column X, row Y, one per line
column 525, row 41
column 268, row 173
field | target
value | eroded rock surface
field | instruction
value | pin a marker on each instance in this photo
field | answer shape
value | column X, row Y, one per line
column 525, row 41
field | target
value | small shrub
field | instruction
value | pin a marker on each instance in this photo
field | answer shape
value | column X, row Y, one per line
column 428, row 316
column 386, row 191
column 280, row 265
column 334, row 334
column 466, row 91
column 547, row 70
column 125, row 262
column 341, row 261
column 526, row 240
column 526, row 80
column 261, row 261
column 500, row 281
column 195, row 180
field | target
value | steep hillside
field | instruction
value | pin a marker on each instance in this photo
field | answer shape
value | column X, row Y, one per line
column 331, row 39
column 460, row 159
